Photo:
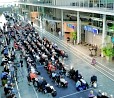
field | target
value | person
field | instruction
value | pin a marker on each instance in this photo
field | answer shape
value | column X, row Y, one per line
column 104, row 95
column 68, row 39
column 99, row 94
column 94, row 81
column 78, row 84
column 59, row 34
column 91, row 95
column 95, row 48
column 76, row 75
column 48, row 88
column 29, row 79
column 13, row 53
column 93, row 61
column 6, row 69
column 4, row 27
column 32, row 23
column 11, row 68
column 44, row 83
column 72, row 72
column 6, row 89
column 53, row 75
column 21, row 60
column 93, row 78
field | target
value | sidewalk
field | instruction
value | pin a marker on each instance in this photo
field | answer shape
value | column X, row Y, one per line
column 100, row 60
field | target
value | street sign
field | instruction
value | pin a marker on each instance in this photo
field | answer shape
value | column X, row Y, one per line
column 91, row 29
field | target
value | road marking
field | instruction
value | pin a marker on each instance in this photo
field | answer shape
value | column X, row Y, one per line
column 75, row 93
column 17, row 88
column 35, row 91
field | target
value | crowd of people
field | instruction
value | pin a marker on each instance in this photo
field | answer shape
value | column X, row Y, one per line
column 44, row 52
column 36, row 50
column 8, row 75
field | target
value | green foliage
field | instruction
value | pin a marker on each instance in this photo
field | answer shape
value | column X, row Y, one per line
column 108, row 50
column 74, row 35
column 113, row 52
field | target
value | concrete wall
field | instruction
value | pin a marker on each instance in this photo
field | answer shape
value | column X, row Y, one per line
column 91, row 39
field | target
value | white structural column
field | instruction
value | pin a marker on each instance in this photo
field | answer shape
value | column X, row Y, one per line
column 37, row 9
column 29, row 12
column 25, row 8
column 104, row 29
column 78, row 28
column 32, row 8
column 104, row 32
column 62, row 28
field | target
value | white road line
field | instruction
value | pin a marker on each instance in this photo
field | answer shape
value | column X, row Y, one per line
column 75, row 93
column 35, row 91
column 17, row 88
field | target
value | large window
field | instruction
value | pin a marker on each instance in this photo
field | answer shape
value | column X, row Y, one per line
column 98, row 23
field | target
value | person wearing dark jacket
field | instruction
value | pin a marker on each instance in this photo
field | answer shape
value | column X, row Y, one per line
column 99, row 95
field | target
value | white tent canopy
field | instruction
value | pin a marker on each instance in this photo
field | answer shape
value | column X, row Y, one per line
column 2, row 21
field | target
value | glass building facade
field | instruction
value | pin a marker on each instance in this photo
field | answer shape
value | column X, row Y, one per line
column 92, row 22
column 108, row 4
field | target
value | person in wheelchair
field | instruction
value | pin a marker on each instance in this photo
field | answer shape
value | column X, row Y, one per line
column 39, row 83
column 94, row 81
column 50, row 89
column 62, row 71
column 53, row 75
column 63, row 82
column 4, row 61
column 81, row 85
column 75, row 75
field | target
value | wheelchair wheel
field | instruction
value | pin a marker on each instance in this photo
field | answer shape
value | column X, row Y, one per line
column 54, row 93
